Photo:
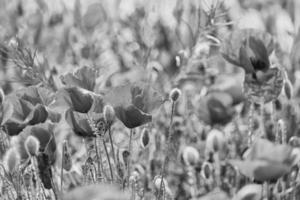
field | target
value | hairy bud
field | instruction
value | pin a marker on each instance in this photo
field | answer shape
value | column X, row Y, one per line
column 11, row 159
column 109, row 114
column 175, row 94
column 32, row 145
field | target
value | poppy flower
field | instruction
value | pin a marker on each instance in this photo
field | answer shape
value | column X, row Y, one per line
column 133, row 103
column 19, row 112
column 266, row 161
column 47, row 151
column 216, row 108
column 84, row 77
column 80, row 100
column 250, row 49
column 81, row 107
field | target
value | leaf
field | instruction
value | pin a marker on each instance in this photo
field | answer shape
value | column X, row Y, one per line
column 84, row 77
column 231, row 45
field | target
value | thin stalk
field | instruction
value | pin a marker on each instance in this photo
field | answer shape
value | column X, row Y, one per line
column 129, row 157
column 262, row 125
column 112, row 145
column 62, row 170
column 250, row 123
column 98, row 172
column 170, row 134
column 108, row 160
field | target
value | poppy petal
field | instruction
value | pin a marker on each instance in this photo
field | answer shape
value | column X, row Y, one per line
column 132, row 117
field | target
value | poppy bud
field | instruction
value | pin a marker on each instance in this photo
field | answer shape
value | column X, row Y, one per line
column 190, row 156
column 109, row 114
column 175, row 94
column 11, row 159
column 145, row 139
column 66, row 159
column 2, row 96
column 215, row 141
column 288, row 89
column 32, row 145
column 294, row 141
column 157, row 182
column 206, row 170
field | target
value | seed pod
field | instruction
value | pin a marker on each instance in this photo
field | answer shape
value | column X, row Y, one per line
column 206, row 170
column 11, row 160
column 145, row 139
column 175, row 94
column 190, row 156
column 32, row 145
column 109, row 114
column 288, row 89
column 66, row 157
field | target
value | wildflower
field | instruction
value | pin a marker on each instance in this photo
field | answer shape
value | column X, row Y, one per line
column 266, row 161
column 133, row 103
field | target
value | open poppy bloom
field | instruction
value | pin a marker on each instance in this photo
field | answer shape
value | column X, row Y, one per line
column 250, row 49
column 216, row 108
column 266, row 161
column 81, row 107
column 21, row 109
column 47, row 151
column 133, row 103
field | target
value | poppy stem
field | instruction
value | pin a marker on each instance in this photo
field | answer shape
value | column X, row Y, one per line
column 250, row 123
column 108, row 160
column 111, row 144
column 129, row 156
column 98, row 174
column 168, row 149
column 262, row 118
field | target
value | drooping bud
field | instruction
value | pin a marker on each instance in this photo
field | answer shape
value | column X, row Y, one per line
column 288, row 89
column 66, row 157
column 190, row 156
column 145, row 138
column 32, row 145
column 109, row 114
column 175, row 94
column 11, row 159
